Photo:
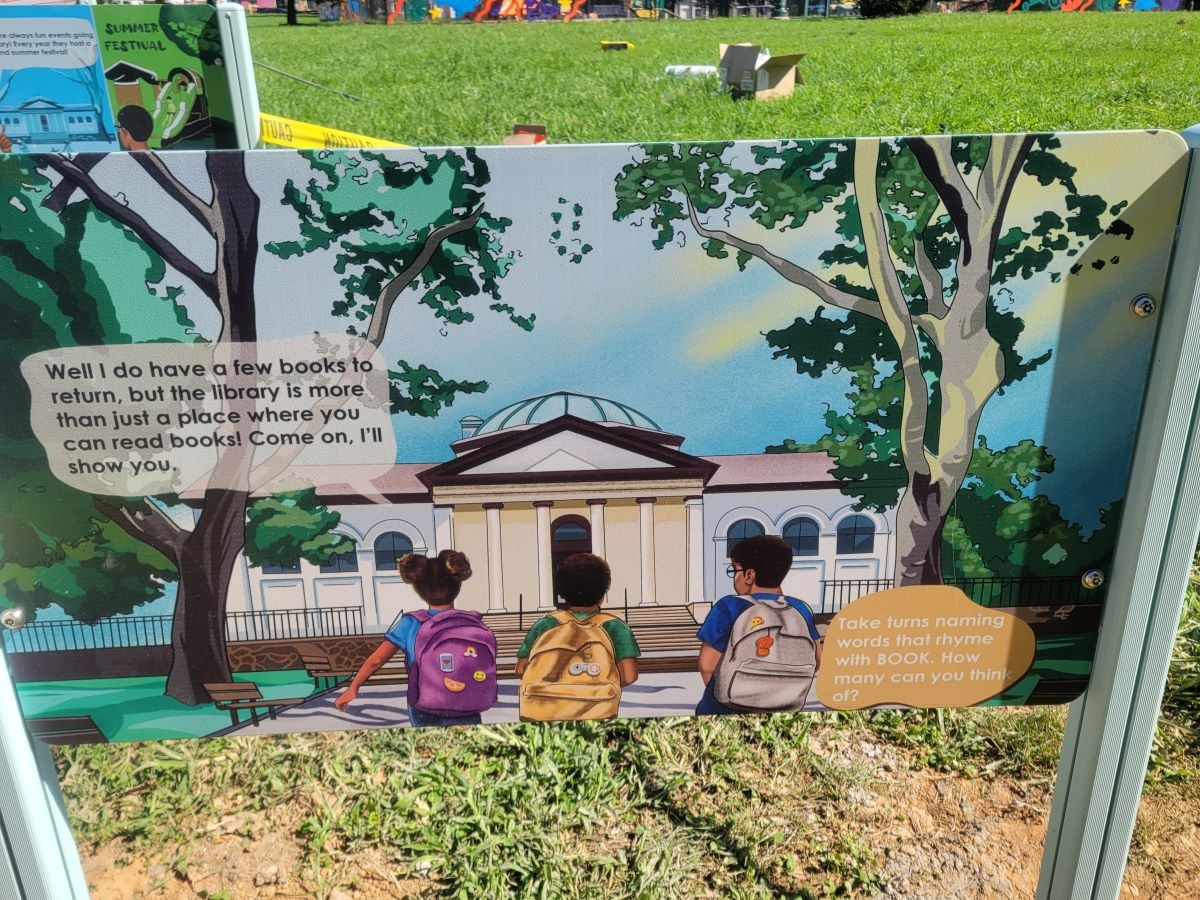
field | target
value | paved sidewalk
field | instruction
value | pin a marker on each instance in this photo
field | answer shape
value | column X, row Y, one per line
column 653, row 695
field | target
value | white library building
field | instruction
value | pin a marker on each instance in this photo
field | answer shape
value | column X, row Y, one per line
column 562, row 473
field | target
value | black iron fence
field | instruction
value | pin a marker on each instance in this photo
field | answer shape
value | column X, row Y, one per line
column 127, row 631
column 1059, row 590
column 154, row 631
column 347, row 621
column 284, row 624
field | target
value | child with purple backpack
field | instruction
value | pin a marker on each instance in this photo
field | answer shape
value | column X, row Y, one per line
column 450, row 654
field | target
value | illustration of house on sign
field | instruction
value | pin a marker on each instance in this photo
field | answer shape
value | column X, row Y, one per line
column 47, row 123
column 562, row 473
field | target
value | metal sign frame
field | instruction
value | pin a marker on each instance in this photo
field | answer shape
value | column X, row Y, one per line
column 1110, row 729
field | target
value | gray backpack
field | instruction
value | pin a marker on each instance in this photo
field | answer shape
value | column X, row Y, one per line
column 769, row 662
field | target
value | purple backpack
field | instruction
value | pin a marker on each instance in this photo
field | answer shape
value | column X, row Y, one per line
column 453, row 669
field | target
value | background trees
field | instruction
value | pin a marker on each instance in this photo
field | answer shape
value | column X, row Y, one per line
column 920, row 248
column 444, row 255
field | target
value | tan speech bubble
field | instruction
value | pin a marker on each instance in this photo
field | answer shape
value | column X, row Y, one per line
column 144, row 419
column 922, row 646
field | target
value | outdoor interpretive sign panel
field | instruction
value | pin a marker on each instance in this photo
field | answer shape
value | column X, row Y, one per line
column 340, row 439
column 94, row 78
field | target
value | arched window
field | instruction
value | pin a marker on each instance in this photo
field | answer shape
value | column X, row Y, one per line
column 342, row 562
column 803, row 535
column 571, row 528
column 739, row 531
column 389, row 547
column 855, row 534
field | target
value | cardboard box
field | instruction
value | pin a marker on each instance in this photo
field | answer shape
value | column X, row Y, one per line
column 526, row 134
column 748, row 70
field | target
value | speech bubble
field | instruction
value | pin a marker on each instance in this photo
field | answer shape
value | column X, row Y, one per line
column 145, row 419
column 922, row 646
column 28, row 43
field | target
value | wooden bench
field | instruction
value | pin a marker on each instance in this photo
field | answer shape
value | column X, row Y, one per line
column 233, row 696
column 66, row 730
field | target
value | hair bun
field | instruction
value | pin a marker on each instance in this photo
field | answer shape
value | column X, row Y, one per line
column 413, row 567
column 456, row 564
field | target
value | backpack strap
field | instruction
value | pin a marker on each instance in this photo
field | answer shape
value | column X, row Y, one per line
column 749, row 598
column 421, row 615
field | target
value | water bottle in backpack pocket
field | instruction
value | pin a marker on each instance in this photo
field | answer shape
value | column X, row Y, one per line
column 769, row 662
column 453, row 669
column 571, row 672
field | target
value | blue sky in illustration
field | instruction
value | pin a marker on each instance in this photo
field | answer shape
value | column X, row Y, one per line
column 61, row 85
column 678, row 335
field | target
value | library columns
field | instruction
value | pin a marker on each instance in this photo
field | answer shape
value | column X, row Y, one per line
column 495, row 562
column 646, row 521
column 545, row 560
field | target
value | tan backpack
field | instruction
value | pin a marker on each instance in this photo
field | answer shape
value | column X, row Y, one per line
column 572, row 672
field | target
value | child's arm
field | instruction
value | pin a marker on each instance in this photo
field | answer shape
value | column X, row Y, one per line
column 709, row 657
column 370, row 666
column 519, row 668
column 628, row 669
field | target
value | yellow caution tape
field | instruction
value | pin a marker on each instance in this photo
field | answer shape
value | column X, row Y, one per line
column 280, row 132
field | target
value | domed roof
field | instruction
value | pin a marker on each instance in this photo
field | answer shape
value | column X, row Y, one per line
column 543, row 408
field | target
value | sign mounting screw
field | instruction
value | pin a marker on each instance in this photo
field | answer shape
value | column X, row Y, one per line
column 1092, row 579
column 1143, row 306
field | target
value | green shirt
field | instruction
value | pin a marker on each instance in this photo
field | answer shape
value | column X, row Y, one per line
column 624, row 644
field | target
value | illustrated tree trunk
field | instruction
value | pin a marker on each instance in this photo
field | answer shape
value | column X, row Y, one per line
column 205, row 558
column 205, row 564
column 291, row 12
column 972, row 372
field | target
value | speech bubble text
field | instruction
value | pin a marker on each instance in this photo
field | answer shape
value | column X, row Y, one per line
column 922, row 646
column 27, row 43
column 145, row 419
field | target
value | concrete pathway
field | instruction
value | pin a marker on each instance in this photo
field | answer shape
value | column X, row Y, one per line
column 653, row 695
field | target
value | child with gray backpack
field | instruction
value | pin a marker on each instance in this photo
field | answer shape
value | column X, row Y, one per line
column 759, row 648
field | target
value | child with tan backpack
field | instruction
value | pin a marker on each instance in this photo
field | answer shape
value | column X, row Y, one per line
column 574, row 662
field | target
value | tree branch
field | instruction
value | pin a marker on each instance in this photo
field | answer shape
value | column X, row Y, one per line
column 175, row 189
column 914, row 412
column 1004, row 164
column 931, row 281
column 148, row 524
column 377, row 327
column 56, row 200
column 934, row 156
column 793, row 273
column 205, row 281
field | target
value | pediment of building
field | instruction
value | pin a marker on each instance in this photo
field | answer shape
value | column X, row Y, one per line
column 568, row 448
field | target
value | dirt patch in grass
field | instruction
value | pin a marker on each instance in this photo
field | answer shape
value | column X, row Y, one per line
column 838, row 816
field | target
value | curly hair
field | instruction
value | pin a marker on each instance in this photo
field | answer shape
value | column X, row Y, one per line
column 582, row 579
column 436, row 579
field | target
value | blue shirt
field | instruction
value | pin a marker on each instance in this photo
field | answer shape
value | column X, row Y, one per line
column 719, row 621
column 404, row 634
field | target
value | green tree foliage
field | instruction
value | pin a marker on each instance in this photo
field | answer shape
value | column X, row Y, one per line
column 405, row 231
column 57, row 545
column 1000, row 526
column 193, row 30
column 290, row 526
column 913, row 305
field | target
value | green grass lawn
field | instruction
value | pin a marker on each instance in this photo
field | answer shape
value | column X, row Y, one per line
column 463, row 83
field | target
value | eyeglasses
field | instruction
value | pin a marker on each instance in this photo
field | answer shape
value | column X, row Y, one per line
column 731, row 571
